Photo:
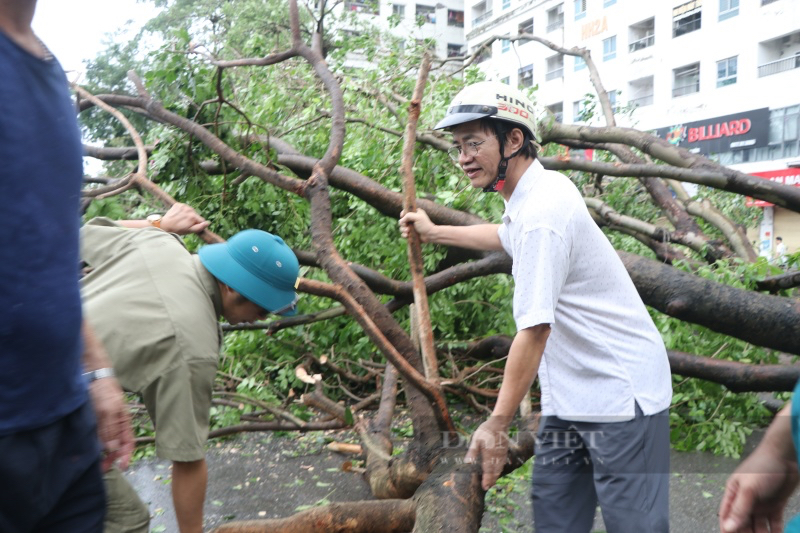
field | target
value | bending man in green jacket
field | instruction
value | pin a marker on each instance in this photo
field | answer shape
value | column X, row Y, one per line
column 156, row 307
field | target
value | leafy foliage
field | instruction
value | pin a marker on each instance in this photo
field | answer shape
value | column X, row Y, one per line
column 245, row 106
column 705, row 416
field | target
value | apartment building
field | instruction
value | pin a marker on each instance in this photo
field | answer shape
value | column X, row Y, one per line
column 718, row 77
column 438, row 23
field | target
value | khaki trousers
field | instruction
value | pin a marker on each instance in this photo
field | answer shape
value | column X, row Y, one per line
column 125, row 511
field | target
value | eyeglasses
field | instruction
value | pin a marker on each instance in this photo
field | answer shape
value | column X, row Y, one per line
column 287, row 308
column 470, row 148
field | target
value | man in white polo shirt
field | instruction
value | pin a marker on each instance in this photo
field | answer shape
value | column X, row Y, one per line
column 581, row 325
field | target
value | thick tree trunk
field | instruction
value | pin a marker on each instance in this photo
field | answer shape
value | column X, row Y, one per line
column 457, row 484
column 764, row 320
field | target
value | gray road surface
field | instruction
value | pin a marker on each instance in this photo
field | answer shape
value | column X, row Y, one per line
column 261, row 475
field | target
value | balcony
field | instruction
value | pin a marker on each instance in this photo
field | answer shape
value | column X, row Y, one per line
column 455, row 18
column 641, row 44
column 454, row 50
column 683, row 90
column 686, row 25
column 482, row 18
column 781, row 65
column 641, row 101
column 553, row 26
column 362, row 6
column 765, row 2
column 554, row 74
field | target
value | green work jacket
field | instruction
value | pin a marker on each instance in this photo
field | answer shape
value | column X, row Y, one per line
column 155, row 308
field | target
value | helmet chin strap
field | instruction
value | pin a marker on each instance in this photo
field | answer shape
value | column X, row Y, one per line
column 500, row 181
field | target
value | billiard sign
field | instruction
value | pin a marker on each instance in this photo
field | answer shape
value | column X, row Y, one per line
column 749, row 129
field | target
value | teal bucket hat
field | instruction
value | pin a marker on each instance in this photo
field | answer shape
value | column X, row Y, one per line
column 259, row 266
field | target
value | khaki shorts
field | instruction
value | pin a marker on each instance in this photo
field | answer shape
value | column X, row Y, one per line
column 178, row 403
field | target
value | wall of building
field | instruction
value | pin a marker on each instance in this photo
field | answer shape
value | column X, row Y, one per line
column 762, row 35
column 786, row 224
column 434, row 21
column 743, row 36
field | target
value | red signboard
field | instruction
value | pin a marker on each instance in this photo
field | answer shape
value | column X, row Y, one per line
column 786, row 176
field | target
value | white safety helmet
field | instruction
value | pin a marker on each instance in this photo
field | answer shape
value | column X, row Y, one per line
column 494, row 100
column 498, row 101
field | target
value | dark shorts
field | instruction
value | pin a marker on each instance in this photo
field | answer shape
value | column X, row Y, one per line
column 622, row 466
column 50, row 479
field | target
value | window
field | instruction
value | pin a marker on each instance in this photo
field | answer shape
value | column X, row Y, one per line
column 362, row 6
column 686, row 18
column 525, row 27
column 506, row 80
column 580, row 64
column 505, row 45
column 607, row 3
column 555, row 67
column 610, row 48
column 726, row 71
column 579, row 111
column 399, row 10
column 686, row 80
column 784, row 126
column 555, row 18
column 455, row 18
column 557, row 110
column 426, row 13
column 612, row 97
column 641, row 35
column 506, row 4
column 453, row 50
column 525, row 76
column 580, row 9
column 728, row 9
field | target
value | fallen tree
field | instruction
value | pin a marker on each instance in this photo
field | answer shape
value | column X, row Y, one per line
column 210, row 148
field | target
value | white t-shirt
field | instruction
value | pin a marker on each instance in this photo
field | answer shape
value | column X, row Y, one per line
column 604, row 354
column 780, row 251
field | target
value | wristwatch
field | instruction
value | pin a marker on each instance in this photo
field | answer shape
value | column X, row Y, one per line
column 100, row 373
column 155, row 220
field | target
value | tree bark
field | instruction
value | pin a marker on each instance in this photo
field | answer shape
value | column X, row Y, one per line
column 764, row 320
column 386, row 516
column 738, row 377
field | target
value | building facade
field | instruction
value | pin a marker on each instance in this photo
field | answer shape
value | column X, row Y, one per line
column 718, row 77
column 438, row 23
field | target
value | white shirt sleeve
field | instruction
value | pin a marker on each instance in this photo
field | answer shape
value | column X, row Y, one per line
column 502, row 233
column 541, row 266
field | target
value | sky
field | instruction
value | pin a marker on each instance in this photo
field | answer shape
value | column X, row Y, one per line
column 75, row 31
